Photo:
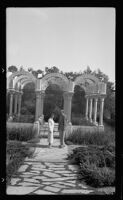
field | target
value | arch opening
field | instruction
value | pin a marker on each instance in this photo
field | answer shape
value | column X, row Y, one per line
column 53, row 101
column 27, row 112
column 78, row 106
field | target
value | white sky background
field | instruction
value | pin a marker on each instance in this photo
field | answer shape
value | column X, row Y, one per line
column 68, row 38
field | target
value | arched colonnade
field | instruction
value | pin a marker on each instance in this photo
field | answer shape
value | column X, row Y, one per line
column 95, row 92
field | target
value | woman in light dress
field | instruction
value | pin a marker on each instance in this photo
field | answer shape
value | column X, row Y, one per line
column 50, row 130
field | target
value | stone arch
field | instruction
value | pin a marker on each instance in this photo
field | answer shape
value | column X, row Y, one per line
column 86, row 80
column 67, row 86
column 19, row 78
column 95, row 92
column 24, row 83
column 55, row 78
column 21, row 74
column 15, row 84
column 22, row 79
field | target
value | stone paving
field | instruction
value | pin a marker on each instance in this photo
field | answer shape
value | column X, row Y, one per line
column 48, row 172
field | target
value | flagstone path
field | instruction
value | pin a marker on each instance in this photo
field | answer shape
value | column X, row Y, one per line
column 48, row 172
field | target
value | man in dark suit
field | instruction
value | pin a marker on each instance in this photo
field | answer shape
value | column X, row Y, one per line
column 61, row 128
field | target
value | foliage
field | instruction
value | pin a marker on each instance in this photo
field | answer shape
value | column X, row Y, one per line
column 21, row 68
column 97, row 164
column 25, row 118
column 78, row 136
column 12, row 69
column 28, row 100
column 110, row 100
column 30, row 69
column 78, row 101
column 87, row 71
column 80, row 120
column 39, row 71
column 22, row 133
column 53, row 102
column 24, row 110
column 51, row 70
column 72, row 75
column 101, row 76
column 16, row 152
column 110, row 122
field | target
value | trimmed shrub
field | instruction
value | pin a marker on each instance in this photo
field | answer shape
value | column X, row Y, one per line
column 80, row 121
column 110, row 122
column 97, row 164
column 22, row 133
column 98, row 177
column 97, row 138
column 16, row 153
column 24, row 118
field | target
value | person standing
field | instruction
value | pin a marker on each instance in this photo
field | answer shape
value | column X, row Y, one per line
column 61, row 128
column 50, row 130
column 10, row 119
column 41, row 119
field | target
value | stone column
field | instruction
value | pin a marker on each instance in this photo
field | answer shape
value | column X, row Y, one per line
column 95, row 111
column 11, row 103
column 42, row 103
column 67, row 104
column 101, row 112
column 7, row 102
column 15, row 103
column 86, row 112
column 19, row 103
column 39, row 104
column 90, row 110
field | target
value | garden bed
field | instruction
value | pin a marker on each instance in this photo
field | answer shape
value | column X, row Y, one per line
column 95, row 154
column 16, row 153
column 97, row 164
column 20, row 131
column 80, row 136
column 16, row 150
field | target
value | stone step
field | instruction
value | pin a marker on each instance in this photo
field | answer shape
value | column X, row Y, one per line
column 45, row 127
column 44, row 131
column 44, row 134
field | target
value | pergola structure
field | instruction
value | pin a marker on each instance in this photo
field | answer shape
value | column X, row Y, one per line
column 95, row 91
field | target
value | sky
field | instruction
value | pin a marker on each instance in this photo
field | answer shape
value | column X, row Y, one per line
column 68, row 38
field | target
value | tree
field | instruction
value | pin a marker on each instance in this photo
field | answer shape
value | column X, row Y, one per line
column 53, row 100
column 55, row 69
column 30, row 69
column 101, row 76
column 39, row 71
column 51, row 70
column 109, row 105
column 35, row 73
column 28, row 99
column 70, row 75
column 21, row 68
column 12, row 69
column 87, row 71
column 78, row 101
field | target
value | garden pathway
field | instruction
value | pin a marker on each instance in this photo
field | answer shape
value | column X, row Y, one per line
column 48, row 172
